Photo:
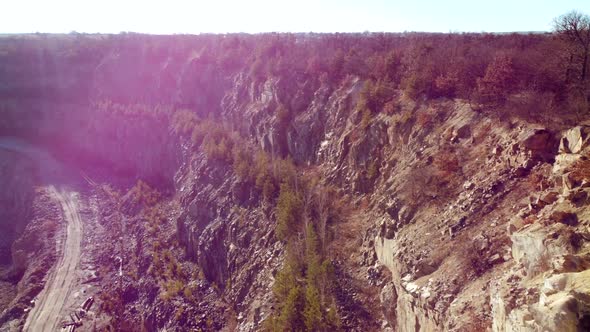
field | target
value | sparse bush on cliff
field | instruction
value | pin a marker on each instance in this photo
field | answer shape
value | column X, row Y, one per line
column 372, row 170
column 366, row 118
column 242, row 162
column 218, row 150
column 184, row 121
column 289, row 206
column 413, row 86
column 446, row 161
column 374, row 95
column 286, row 171
column 143, row 194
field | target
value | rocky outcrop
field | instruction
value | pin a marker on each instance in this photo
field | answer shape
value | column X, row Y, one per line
column 546, row 289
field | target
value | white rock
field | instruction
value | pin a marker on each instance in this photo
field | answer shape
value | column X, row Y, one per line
column 411, row 287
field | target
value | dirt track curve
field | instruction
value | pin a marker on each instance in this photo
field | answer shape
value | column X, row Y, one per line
column 45, row 316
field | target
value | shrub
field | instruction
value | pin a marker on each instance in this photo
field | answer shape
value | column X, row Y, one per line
column 218, row 150
column 263, row 180
column 391, row 107
column 188, row 293
column 312, row 313
column 497, row 81
column 447, row 162
column 284, row 281
column 375, row 94
column 197, row 136
column 366, row 119
column 414, row 85
column 283, row 117
column 580, row 170
column 242, row 163
column 268, row 189
column 171, row 289
column 184, row 121
column 287, row 172
column 372, row 170
column 142, row 193
column 423, row 119
column 289, row 208
column 289, row 317
column 446, row 85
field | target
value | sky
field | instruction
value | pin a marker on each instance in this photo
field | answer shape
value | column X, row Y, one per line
column 221, row 16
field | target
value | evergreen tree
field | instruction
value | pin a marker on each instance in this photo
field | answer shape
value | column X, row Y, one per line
column 289, row 207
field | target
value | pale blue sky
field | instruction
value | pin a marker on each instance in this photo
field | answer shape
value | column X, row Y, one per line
column 195, row 16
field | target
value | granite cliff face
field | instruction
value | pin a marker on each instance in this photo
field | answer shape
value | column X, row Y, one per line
column 451, row 216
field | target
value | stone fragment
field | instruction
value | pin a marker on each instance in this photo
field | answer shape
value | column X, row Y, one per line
column 550, row 197
column 495, row 259
column 468, row 185
column 574, row 140
column 577, row 196
column 388, row 299
column 541, row 144
column 563, row 217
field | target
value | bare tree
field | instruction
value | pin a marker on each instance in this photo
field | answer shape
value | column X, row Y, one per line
column 574, row 27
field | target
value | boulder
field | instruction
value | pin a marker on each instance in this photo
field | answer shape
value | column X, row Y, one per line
column 578, row 196
column 574, row 140
column 480, row 243
column 541, row 144
column 567, row 183
column 497, row 151
column 563, row 217
column 423, row 268
column 460, row 133
column 495, row 259
column 531, row 248
column 563, row 161
column 468, row 185
column 550, row 197
column 388, row 299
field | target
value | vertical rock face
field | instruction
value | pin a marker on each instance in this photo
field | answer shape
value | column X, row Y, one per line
column 228, row 232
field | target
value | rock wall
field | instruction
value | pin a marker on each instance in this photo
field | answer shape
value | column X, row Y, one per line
column 447, row 242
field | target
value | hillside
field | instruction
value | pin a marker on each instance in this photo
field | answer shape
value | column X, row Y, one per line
column 356, row 182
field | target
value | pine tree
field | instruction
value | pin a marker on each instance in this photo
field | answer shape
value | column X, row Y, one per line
column 290, row 318
column 312, row 313
column 289, row 207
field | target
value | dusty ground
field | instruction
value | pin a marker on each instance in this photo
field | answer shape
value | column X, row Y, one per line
column 48, row 309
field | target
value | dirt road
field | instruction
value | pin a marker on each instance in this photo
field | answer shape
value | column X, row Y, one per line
column 46, row 314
